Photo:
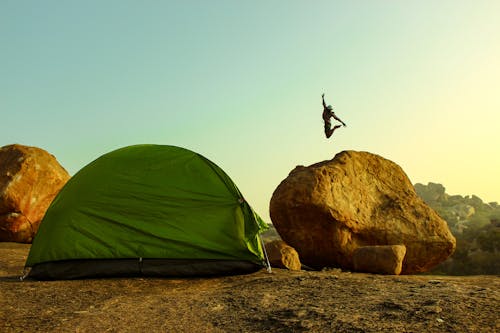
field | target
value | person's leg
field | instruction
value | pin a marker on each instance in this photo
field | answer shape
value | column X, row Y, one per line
column 328, row 130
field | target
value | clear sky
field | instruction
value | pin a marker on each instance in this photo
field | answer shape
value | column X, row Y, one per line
column 417, row 82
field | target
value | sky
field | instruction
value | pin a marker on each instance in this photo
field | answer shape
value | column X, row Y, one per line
column 417, row 82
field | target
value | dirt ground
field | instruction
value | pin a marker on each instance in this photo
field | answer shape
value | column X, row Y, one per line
column 283, row 301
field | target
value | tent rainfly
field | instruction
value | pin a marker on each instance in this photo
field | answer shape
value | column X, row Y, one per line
column 150, row 210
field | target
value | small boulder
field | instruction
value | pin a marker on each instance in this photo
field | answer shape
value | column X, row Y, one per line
column 331, row 208
column 381, row 259
column 30, row 178
column 281, row 255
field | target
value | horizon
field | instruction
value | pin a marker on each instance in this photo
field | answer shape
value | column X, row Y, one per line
column 241, row 84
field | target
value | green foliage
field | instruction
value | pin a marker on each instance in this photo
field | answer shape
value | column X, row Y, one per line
column 489, row 239
column 475, row 225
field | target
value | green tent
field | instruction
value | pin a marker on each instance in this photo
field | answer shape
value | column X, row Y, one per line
column 147, row 210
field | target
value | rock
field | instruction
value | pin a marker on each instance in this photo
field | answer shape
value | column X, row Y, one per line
column 432, row 192
column 329, row 209
column 282, row 255
column 30, row 178
column 381, row 259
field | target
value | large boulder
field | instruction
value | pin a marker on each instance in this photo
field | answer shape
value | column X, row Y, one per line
column 30, row 178
column 329, row 209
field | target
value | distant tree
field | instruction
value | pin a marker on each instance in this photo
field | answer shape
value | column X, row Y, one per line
column 489, row 238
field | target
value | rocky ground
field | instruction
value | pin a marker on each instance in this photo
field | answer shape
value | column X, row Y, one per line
column 326, row 301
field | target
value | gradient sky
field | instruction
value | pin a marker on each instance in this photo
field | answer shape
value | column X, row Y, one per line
column 417, row 82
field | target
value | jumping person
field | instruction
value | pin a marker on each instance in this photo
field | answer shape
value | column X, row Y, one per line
column 327, row 115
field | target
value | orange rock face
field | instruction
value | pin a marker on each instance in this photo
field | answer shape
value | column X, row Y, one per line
column 380, row 259
column 30, row 178
column 328, row 210
column 282, row 255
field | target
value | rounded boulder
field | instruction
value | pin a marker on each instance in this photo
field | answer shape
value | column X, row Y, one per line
column 30, row 178
column 329, row 209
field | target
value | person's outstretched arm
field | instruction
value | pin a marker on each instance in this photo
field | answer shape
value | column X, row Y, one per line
column 338, row 119
column 324, row 104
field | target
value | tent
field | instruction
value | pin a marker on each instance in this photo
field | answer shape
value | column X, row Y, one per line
column 151, row 210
